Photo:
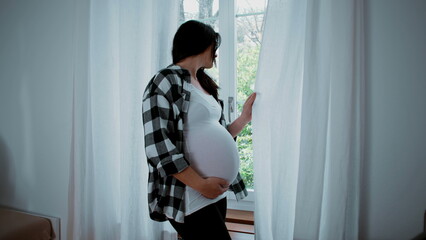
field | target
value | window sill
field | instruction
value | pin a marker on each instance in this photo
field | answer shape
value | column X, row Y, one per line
column 246, row 204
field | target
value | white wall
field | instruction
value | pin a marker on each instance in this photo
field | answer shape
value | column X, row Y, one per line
column 36, row 83
column 36, row 73
column 395, row 190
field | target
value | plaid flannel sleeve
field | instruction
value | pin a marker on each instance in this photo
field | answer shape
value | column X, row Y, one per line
column 159, row 127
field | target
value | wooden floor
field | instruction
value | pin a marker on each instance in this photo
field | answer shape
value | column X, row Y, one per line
column 240, row 224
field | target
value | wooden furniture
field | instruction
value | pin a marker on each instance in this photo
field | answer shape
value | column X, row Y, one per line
column 18, row 225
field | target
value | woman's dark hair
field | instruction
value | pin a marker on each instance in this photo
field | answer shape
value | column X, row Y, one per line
column 193, row 38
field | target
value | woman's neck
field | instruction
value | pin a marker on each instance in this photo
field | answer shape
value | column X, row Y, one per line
column 191, row 64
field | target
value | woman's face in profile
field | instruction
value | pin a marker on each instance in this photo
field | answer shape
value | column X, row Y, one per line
column 207, row 57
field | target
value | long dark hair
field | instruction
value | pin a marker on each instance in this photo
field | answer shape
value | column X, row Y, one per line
column 193, row 38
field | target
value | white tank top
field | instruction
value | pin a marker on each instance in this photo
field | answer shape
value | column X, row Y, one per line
column 209, row 147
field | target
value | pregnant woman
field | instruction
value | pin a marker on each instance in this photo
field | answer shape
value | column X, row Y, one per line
column 193, row 159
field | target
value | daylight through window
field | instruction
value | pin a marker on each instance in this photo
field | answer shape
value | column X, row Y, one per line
column 246, row 26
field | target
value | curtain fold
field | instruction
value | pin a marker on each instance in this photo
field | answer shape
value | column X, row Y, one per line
column 308, row 120
column 126, row 41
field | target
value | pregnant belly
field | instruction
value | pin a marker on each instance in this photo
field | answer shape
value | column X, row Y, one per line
column 212, row 151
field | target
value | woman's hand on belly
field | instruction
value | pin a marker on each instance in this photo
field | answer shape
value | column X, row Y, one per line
column 210, row 187
column 213, row 187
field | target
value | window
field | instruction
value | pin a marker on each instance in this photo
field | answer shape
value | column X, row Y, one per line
column 240, row 23
column 206, row 11
column 249, row 28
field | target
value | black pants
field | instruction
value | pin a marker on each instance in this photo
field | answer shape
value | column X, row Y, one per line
column 207, row 223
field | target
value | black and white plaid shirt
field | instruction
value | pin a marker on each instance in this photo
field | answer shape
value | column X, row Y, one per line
column 165, row 105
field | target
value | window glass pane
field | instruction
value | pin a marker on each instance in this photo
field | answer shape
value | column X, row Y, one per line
column 249, row 27
column 206, row 11
column 203, row 10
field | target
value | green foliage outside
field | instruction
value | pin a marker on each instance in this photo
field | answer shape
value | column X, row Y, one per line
column 247, row 60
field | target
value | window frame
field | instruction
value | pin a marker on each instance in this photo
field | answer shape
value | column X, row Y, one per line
column 227, row 65
column 246, row 204
column 228, row 57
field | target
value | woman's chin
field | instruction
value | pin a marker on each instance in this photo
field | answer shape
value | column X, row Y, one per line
column 209, row 66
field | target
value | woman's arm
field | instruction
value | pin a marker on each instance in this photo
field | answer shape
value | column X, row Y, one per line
column 161, row 152
column 163, row 155
column 210, row 187
column 238, row 124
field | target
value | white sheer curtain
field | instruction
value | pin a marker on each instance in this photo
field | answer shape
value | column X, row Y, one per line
column 308, row 120
column 126, row 42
